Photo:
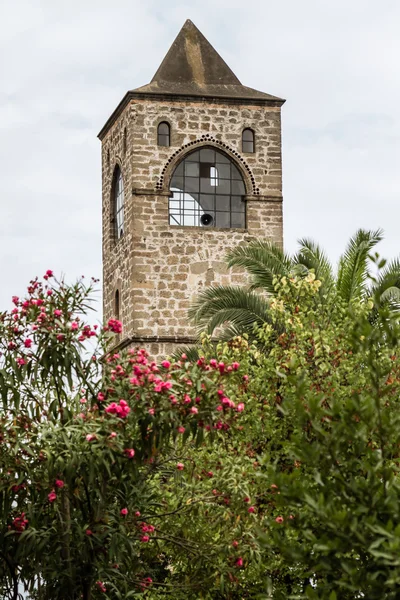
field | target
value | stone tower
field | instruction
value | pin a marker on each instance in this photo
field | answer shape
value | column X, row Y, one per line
column 191, row 166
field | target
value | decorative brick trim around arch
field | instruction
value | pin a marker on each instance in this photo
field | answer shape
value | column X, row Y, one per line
column 207, row 140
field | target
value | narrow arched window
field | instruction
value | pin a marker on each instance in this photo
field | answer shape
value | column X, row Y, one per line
column 163, row 134
column 118, row 197
column 248, row 140
column 117, row 305
column 125, row 141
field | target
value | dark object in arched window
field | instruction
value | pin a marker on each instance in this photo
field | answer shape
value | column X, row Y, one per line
column 118, row 198
column 163, row 134
column 248, row 140
column 117, row 306
column 208, row 191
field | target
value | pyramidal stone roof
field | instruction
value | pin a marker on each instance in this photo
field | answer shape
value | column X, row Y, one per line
column 192, row 67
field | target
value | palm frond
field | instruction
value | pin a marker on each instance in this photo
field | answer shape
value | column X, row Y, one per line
column 221, row 306
column 263, row 260
column 353, row 264
column 387, row 287
column 314, row 258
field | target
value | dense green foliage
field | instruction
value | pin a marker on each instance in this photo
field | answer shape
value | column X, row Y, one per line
column 267, row 468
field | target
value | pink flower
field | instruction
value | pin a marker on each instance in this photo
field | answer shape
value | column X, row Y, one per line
column 49, row 292
column 247, row 499
column 15, row 300
column 52, row 496
column 129, row 452
column 240, row 407
column 49, row 273
column 90, row 437
column 213, row 363
column 74, row 326
column 137, row 513
column 100, row 396
column 101, row 586
column 144, row 538
column 251, row 509
column 89, row 532
column 180, row 466
column 21, row 362
column 124, row 512
column 166, row 364
column 57, row 312
column 112, row 435
column 279, row 519
column 239, row 562
column 151, row 411
column 235, row 366
column 59, row 483
column 181, row 429
column 194, row 410
column 60, row 337
column 114, row 325
column 28, row 343
column 235, row 544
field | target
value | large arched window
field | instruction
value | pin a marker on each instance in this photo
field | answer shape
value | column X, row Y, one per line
column 163, row 134
column 248, row 140
column 208, row 191
column 118, row 199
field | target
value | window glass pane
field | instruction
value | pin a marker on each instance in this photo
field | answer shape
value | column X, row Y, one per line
column 207, row 202
column 207, row 155
column 179, row 169
column 163, row 140
column 248, row 135
column 193, row 157
column 236, row 173
column 224, row 186
column 224, row 171
column 192, row 184
column 238, row 220
column 223, row 202
column 177, row 182
column 206, row 187
column 222, row 219
column 248, row 146
column 237, row 204
column 221, row 158
column 192, row 169
column 238, row 188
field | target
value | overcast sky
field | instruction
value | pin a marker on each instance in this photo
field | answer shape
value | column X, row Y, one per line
column 64, row 66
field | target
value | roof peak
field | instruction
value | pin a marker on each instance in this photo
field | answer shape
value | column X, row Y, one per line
column 191, row 59
column 192, row 67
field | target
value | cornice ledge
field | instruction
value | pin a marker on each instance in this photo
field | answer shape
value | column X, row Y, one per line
column 150, row 192
column 271, row 197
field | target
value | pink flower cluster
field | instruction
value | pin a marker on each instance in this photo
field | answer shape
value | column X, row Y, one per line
column 20, row 523
column 114, row 325
column 101, row 586
column 146, row 528
column 122, row 409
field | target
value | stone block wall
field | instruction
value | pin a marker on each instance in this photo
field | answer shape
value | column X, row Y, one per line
column 157, row 268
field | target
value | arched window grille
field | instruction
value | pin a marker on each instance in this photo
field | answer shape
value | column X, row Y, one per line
column 163, row 134
column 248, row 140
column 118, row 197
column 117, row 305
column 208, row 191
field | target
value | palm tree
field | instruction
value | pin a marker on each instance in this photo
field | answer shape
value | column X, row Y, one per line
column 237, row 309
